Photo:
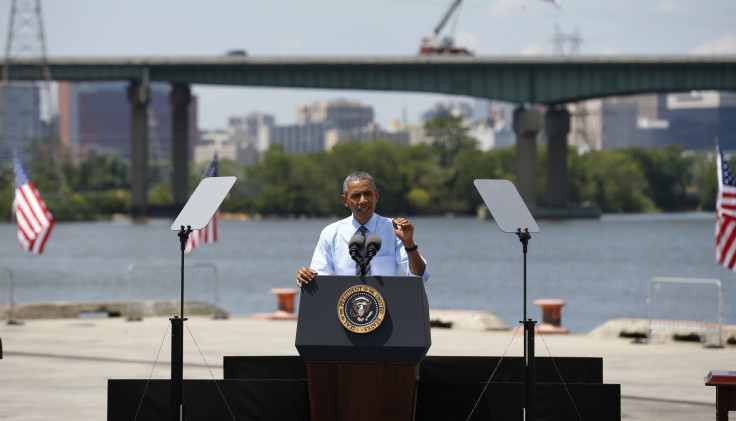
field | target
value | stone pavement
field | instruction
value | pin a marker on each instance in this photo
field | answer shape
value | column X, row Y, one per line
column 58, row 368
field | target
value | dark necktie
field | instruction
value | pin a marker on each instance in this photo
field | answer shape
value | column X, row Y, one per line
column 362, row 230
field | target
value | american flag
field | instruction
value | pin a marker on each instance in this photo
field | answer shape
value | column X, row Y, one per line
column 33, row 218
column 208, row 234
column 725, row 214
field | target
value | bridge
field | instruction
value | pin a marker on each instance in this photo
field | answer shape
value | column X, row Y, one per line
column 552, row 81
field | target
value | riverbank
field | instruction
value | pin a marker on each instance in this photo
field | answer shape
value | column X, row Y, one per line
column 65, row 363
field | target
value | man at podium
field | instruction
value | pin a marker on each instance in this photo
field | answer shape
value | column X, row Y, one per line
column 398, row 249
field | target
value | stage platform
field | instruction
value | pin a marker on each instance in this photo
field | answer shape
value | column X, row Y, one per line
column 275, row 388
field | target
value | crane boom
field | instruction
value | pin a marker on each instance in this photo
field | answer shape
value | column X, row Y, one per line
column 431, row 45
column 445, row 18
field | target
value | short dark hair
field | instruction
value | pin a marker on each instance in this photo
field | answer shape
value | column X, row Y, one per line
column 357, row 176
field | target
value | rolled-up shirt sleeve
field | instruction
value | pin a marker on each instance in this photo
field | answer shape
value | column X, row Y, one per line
column 322, row 259
column 403, row 262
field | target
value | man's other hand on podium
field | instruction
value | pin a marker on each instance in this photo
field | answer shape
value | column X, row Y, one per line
column 304, row 276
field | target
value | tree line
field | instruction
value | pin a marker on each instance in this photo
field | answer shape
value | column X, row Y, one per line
column 427, row 179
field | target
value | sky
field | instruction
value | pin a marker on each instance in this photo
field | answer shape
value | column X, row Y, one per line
column 392, row 28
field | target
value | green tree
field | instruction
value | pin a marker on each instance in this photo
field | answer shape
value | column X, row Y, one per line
column 101, row 172
column 381, row 159
column 616, row 183
column 285, row 184
column 668, row 173
column 708, row 184
column 449, row 136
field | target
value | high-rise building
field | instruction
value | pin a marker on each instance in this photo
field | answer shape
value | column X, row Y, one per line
column 693, row 120
column 95, row 119
column 586, row 122
column 22, row 123
column 338, row 114
column 252, row 129
column 299, row 138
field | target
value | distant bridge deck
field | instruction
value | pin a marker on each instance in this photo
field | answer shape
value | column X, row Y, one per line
column 519, row 79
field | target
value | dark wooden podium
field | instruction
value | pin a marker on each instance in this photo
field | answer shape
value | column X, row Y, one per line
column 363, row 376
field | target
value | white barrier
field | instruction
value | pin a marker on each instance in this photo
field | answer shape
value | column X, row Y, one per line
column 686, row 305
column 10, row 289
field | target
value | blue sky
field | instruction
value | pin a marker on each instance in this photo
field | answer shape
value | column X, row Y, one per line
column 159, row 28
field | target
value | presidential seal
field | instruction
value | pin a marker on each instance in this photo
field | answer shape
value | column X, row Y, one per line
column 361, row 309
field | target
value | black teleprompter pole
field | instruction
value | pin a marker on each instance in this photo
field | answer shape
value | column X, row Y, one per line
column 512, row 215
column 177, row 342
column 529, row 326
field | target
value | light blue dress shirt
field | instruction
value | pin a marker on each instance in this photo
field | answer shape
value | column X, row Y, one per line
column 332, row 257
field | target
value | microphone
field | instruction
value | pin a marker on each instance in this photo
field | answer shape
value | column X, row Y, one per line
column 355, row 246
column 373, row 244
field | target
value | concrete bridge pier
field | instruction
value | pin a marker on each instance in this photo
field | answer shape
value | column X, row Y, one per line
column 139, row 96
column 557, row 126
column 527, row 123
column 179, row 97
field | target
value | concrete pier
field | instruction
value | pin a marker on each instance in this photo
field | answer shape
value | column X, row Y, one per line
column 557, row 126
column 138, row 96
column 527, row 122
column 65, row 363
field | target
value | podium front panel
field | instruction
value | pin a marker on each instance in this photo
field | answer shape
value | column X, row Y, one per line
column 403, row 335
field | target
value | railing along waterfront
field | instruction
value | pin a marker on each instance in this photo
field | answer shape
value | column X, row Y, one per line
column 690, row 306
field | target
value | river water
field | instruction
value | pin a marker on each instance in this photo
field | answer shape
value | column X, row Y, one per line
column 601, row 268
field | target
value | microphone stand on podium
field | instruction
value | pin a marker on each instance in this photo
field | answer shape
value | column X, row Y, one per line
column 196, row 214
column 357, row 243
column 512, row 215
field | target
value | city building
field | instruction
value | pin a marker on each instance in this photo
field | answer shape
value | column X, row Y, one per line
column 299, row 138
column 339, row 114
column 693, row 120
column 446, row 109
column 368, row 133
column 586, row 125
column 95, row 119
column 252, row 128
column 22, row 123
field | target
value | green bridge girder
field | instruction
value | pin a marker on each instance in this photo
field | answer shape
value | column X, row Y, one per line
column 522, row 80
column 533, row 80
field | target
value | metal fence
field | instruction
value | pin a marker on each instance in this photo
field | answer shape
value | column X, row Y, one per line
column 689, row 306
column 6, row 296
column 162, row 284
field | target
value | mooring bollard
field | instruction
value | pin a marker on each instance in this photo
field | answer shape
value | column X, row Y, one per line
column 284, row 305
column 551, row 315
column 285, row 298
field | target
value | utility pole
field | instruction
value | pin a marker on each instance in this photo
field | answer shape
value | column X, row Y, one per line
column 26, row 40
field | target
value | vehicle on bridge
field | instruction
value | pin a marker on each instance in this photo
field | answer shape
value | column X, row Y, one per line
column 445, row 46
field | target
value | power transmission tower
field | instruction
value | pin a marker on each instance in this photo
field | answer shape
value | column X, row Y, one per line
column 26, row 40
column 562, row 39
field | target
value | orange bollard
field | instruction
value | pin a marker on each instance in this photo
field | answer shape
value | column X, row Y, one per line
column 286, row 298
column 284, row 305
column 551, row 315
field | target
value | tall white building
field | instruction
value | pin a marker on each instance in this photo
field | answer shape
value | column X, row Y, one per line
column 586, row 125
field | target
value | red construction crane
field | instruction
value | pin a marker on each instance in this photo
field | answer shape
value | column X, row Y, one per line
column 431, row 45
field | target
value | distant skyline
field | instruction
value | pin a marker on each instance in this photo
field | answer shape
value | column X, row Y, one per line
column 159, row 28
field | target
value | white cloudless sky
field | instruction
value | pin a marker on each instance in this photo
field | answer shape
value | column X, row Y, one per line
column 288, row 28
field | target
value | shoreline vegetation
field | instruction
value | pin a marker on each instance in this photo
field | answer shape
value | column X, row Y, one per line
column 422, row 180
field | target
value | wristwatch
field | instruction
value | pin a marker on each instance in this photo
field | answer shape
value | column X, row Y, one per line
column 412, row 248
